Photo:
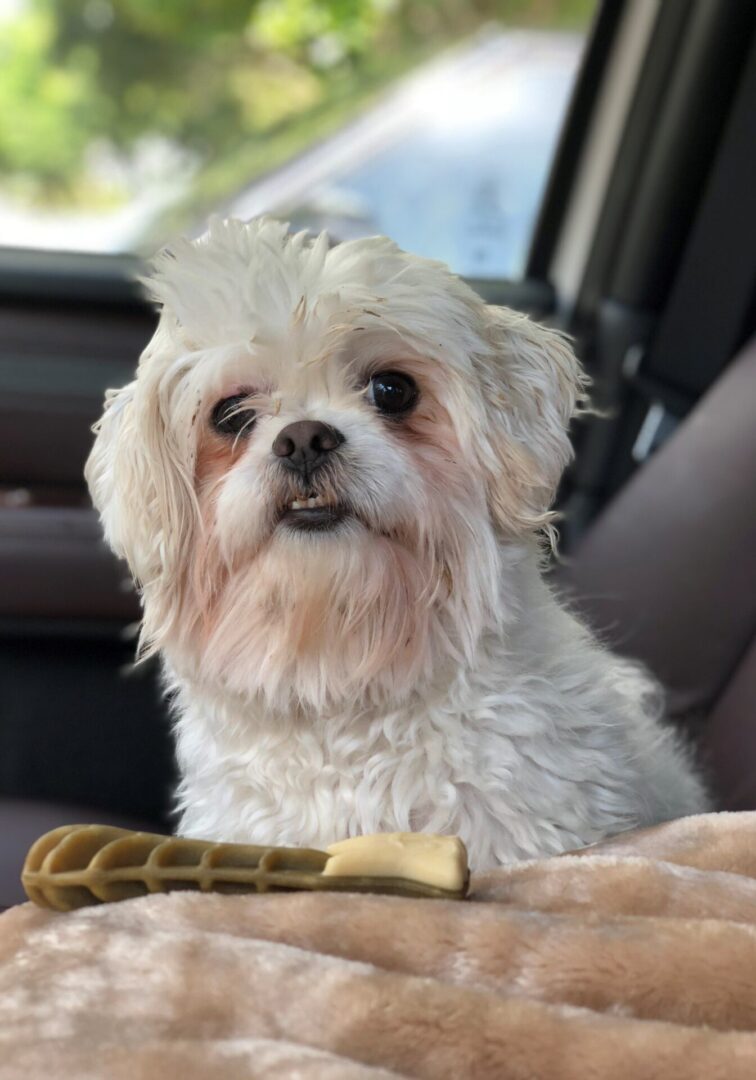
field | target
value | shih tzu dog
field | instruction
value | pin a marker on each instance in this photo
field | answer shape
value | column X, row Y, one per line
column 331, row 479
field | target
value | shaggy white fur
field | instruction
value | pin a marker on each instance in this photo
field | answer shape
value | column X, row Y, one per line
column 405, row 667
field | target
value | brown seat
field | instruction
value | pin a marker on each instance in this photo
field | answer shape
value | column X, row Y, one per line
column 667, row 575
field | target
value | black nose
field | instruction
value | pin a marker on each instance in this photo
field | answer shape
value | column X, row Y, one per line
column 304, row 446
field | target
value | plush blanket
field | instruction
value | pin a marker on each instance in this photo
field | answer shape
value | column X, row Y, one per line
column 635, row 958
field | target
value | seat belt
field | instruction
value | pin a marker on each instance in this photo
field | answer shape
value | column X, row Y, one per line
column 711, row 302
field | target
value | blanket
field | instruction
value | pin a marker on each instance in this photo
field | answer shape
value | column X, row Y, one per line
column 634, row 958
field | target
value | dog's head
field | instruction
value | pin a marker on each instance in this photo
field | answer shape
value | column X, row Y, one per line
column 320, row 462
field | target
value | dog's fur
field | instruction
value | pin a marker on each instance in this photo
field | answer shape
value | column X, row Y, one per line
column 409, row 669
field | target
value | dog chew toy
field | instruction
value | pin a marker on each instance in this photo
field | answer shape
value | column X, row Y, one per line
column 78, row 865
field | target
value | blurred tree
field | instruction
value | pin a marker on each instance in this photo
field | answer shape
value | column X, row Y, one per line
column 219, row 79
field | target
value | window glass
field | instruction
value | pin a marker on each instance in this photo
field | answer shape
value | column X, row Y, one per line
column 433, row 121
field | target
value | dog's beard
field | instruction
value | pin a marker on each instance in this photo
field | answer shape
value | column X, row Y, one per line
column 347, row 613
column 313, row 622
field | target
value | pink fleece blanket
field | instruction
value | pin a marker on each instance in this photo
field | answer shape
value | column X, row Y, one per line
column 634, row 959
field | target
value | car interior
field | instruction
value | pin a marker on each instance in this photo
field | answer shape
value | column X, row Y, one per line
column 644, row 251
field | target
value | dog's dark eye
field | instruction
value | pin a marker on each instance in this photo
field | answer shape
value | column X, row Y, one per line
column 230, row 417
column 392, row 393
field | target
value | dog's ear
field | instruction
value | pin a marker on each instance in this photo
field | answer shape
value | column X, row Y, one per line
column 110, row 472
column 142, row 487
column 532, row 386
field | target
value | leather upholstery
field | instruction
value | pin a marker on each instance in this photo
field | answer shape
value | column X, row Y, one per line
column 668, row 575
column 59, row 567
column 728, row 743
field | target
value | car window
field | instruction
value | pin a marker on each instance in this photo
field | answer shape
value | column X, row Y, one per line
column 434, row 122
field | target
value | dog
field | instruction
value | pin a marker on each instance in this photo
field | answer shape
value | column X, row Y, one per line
column 331, row 480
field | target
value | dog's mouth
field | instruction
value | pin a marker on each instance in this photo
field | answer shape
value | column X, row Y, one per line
column 313, row 513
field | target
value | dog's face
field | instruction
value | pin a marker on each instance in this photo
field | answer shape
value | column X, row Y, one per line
column 321, row 460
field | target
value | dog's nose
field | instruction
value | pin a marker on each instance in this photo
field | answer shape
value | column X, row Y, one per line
column 304, row 445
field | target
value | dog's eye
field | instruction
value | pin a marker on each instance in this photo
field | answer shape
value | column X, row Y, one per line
column 392, row 392
column 230, row 417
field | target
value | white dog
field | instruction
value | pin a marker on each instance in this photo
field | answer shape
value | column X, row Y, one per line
column 330, row 477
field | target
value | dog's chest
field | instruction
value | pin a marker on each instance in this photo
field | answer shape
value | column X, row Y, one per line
column 473, row 774
column 318, row 785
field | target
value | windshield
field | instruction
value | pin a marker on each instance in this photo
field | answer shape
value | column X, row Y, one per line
column 123, row 122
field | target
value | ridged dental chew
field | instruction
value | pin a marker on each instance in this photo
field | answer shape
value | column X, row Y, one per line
column 79, row 865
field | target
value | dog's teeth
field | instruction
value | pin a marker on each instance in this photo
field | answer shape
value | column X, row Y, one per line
column 310, row 503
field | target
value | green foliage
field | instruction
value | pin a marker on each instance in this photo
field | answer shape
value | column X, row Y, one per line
column 237, row 84
column 293, row 25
